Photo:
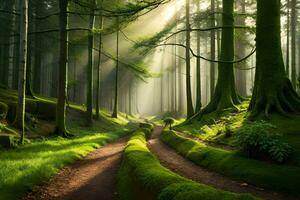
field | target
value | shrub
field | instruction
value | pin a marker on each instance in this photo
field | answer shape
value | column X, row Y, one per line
column 259, row 141
column 168, row 122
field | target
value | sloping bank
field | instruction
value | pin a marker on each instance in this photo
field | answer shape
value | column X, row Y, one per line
column 141, row 176
column 282, row 178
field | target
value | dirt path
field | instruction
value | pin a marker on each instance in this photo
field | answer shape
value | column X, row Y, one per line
column 170, row 159
column 92, row 178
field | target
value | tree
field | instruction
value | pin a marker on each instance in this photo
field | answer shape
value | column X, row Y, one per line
column 212, row 49
column 115, row 111
column 293, row 41
column 190, row 109
column 62, row 75
column 101, row 20
column 225, row 95
column 288, row 39
column 20, row 115
column 90, row 69
column 198, row 67
column 272, row 88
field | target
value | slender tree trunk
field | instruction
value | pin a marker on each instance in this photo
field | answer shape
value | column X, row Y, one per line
column 293, row 41
column 37, row 54
column 212, row 49
column 287, row 67
column 99, row 70
column 241, row 74
column 90, row 70
column 198, row 70
column 63, row 70
column 115, row 111
column 20, row 115
column 273, row 91
column 190, row 109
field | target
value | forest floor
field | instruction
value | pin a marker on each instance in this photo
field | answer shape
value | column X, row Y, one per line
column 94, row 177
column 173, row 161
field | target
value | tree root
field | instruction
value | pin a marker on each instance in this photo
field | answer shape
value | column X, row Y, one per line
column 284, row 100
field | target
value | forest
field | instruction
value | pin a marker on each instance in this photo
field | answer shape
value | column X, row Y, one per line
column 150, row 100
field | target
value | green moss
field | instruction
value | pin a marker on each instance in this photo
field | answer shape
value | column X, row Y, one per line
column 141, row 176
column 283, row 178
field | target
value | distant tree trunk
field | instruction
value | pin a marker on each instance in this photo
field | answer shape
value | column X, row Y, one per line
column 90, row 70
column 293, row 41
column 20, row 115
column 198, row 70
column 288, row 39
column 16, row 56
column 212, row 49
column 63, row 69
column 241, row 74
column 29, row 91
column 190, row 109
column 99, row 70
column 272, row 89
column 37, row 54
column 115, row 111
column 225, row 95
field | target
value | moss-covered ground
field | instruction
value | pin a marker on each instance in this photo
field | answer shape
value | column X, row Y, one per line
column 141, row 176
column 23, row 167
column 221, row 128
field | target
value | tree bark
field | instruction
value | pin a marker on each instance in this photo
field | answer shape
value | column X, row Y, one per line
column 293, row 41
column 90, row 69
column 198, row 67
column 273, row 91
column 190, row 109
column 115, row 109
column 212, row 49
column 287, row 68
column 225, row 95
column 20, row 115
column 99, row 70
column 63, row 70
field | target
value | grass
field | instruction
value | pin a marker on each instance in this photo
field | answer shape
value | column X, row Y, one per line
column 213, row 127
column 32, row 164
column 282, row 178
column 25, row 166
column 141, row 176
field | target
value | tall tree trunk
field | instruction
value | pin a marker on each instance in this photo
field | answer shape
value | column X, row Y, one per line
column 190, row 109
column 287, row 67
column 225, row 95
column 293, row 41
column 115, row 111
column 37, row 53
column 99, row 70
column 20, row 115
column 63, row 70
column 241, row 73
column 212, row 49
column 198, row 67
column 90, row 69
column 272, row 89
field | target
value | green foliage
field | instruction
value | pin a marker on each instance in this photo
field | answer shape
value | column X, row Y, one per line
column 141, row 175
column 259, row 140
column 284, row 178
